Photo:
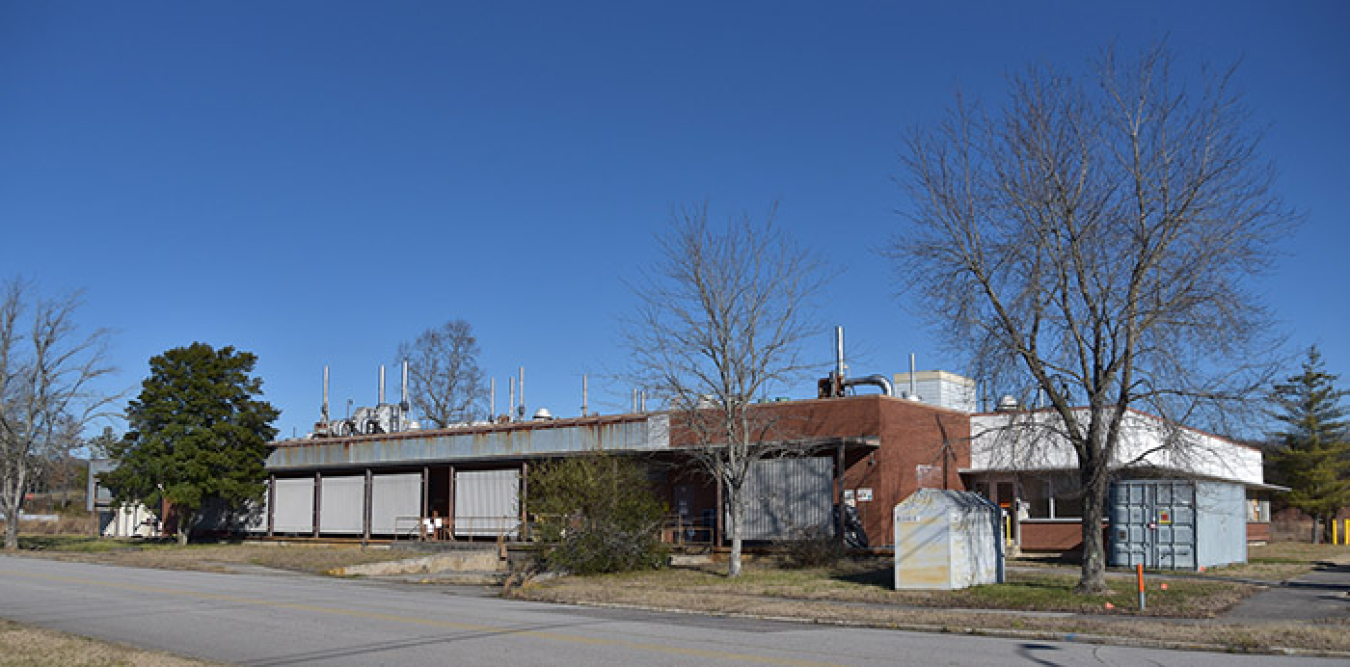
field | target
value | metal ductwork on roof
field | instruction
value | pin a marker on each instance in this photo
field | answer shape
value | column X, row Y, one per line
column 836, row 383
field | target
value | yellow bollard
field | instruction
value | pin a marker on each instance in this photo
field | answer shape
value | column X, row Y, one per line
column 1346, row 532
column 1335, row 533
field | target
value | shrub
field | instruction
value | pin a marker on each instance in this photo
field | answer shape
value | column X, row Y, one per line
column 813, row 548
column 595, row 514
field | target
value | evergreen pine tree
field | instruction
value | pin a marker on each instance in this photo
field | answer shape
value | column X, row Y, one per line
column 1313, row 455
column 198, row 436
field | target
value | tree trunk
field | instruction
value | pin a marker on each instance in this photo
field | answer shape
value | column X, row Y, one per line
column 735, row 513
column 11, row 531
column 1092, row 579
column 11, row 503
column 185, row 522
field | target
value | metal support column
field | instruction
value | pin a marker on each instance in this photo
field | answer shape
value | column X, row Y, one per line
column 450, row 513
column 271, row 505
column 524, row 531
column 721, row 512
column 318, row 502
column 426, row 491
column 839, row 493
column 366, row 506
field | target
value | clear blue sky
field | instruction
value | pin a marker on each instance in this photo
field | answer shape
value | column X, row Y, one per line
column 317, row 181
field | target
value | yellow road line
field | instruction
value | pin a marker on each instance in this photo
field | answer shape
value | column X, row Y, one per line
column 437, row 623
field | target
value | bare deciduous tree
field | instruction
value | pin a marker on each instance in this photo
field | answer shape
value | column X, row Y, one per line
column 1093, row 242
column 443, row 374
column 722, row 317
column 46, row 369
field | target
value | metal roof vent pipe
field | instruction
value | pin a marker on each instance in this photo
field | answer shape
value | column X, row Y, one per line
column 874, row 380
column 913, row 390
column 839, row 353
column 381, row 401
column 403, row 406
column 520, row 386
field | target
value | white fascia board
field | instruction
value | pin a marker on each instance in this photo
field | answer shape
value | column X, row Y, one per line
column 1036, row 441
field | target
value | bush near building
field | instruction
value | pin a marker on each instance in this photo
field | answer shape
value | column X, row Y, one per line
column 596, row 514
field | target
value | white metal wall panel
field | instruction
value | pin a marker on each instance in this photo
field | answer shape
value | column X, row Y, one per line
column 487, row 503
column 1034, row 441
column 790, row 498
column 1221, row 526
column 295, row 506
column 342, row 505
column 395, row 503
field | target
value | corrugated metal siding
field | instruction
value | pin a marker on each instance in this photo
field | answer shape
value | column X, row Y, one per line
column 790, row 498
column 1177, row 524
column 487, row 502
column 650, row 433
column 342, row 505
column 295, row 506
column 1221, row 533
column 393, row 497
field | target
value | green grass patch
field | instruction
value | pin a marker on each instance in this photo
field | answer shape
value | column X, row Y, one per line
column 871, row 582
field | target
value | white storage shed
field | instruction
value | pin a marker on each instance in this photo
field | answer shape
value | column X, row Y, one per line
column 946, row 540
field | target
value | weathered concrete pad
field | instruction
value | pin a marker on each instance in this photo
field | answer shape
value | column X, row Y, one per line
column 478, row 560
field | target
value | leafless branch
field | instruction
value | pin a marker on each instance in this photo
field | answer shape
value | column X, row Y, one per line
column 47, row 370
column 721, row 322
column 1093, row 243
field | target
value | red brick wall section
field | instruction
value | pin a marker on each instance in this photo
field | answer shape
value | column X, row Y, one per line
column 1065, row 536
column 909, row 458
column 910, row 436
column 1258, row 532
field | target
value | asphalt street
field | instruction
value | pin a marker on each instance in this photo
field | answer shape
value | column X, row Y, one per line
column 259, row 619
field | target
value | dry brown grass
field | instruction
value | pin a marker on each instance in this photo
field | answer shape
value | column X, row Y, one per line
column 1023, row 608
column 870, row 582
column 35, row 647
column 1192, row 633
column 317, row 558
column 1202, row 634
column 1281, row 561
column 78, row 523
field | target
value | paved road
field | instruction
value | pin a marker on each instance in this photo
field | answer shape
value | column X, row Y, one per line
column 253, row 619
column 1321, row 594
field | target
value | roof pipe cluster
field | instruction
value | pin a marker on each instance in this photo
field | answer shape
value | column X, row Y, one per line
column 875, row 380
column 838, row 382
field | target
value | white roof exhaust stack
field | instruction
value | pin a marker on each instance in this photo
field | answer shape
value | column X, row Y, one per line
column 381, row 401
column 913, row 391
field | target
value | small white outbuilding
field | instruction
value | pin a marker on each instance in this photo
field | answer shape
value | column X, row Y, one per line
column 947, row 540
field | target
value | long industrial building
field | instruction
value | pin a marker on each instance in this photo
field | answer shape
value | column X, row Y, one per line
column 872, row 450
column 853, row 459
